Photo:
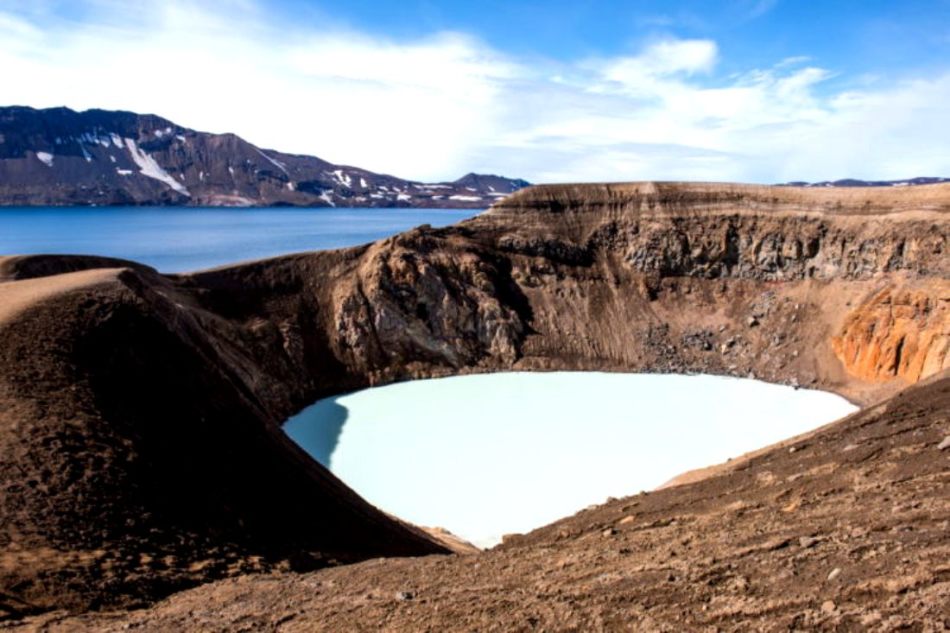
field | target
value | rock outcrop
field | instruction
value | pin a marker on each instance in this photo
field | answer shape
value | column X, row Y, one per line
column 141, row 412
column 898, row 332
column 61, row 157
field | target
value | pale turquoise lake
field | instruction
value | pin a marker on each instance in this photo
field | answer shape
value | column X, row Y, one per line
column 492, row 454
column 177, row 239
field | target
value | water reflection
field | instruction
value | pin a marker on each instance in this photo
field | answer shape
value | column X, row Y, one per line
column 317, row 428
column 489, row 454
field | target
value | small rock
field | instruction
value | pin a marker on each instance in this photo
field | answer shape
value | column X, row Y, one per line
column 792, row 449
column 808, row 541
column 945, row 444
column 834, row 574
column 752, row 321
column 625, row 520
column 608, row 532
column 828, row 606
column 403, row 596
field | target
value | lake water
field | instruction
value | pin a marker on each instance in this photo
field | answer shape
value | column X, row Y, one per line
column 487, row 455
column 177, row 239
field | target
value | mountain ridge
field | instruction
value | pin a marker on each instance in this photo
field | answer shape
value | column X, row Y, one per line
column 58, row 156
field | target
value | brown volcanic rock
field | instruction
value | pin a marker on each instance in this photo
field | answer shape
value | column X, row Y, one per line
column 139, row 460
column 843, row 529
column 142, row 411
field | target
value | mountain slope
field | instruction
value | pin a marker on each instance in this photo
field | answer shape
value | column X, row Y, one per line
column 61, row 157
column 853, row 182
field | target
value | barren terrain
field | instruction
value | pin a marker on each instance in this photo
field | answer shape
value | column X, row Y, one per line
column 117, row 386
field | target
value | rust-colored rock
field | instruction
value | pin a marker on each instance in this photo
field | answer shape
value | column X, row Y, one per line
column 898, row 332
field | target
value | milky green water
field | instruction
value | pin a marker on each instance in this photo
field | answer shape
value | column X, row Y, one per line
column 492, row 454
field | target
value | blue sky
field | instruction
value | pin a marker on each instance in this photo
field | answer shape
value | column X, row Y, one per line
column 750, row 90
column 850, row 35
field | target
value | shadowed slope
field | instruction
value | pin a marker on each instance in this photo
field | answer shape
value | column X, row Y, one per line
column 841, row 530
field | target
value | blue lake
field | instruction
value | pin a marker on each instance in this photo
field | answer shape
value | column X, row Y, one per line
column 175, row 239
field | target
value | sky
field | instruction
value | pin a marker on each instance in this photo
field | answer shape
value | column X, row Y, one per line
column 734, row 90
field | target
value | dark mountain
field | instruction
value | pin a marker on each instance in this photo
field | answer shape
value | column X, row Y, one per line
column 852, row 182
column 58, row 156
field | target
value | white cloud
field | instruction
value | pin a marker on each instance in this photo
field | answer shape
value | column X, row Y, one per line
column 437, row 107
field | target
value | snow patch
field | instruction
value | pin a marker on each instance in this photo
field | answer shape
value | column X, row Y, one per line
column 85, row 154
column 45, row 158
column 180, row 137
column 342, row 177
column 404, row 197
column 116, row 140
column 148, row 167
column 363, row 183
column 325, row 196
column 112, row 158
column 465, row 198
column 291, row 186
column 123, row 172
column 276, row 163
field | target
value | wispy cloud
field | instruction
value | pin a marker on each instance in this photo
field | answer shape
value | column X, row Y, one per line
column 761, row 7
column 439, row 106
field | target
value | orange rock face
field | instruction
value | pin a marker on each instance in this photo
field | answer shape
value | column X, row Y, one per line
column 898, row 332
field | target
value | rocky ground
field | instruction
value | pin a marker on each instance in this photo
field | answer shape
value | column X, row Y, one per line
column 117, row 385
column 844, row 529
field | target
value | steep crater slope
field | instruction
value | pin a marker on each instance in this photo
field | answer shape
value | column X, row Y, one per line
column 141, row 412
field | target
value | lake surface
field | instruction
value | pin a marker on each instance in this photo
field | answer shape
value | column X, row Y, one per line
column 492, row 454
column 178, row 239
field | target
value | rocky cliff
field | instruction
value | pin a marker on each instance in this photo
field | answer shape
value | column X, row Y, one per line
column 61, row 157
column 142, row 411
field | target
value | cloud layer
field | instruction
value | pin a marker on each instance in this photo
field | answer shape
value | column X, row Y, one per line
column 438, row 107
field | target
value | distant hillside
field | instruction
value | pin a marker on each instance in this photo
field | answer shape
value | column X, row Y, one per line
column 851, row 182
column 61, row 157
